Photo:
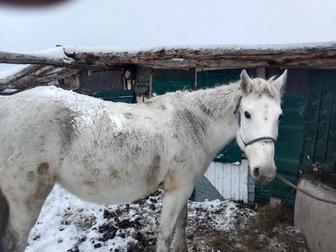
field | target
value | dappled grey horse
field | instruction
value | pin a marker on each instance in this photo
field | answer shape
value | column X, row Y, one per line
column 108, row 152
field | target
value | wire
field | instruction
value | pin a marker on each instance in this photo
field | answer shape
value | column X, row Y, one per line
column 288, row 183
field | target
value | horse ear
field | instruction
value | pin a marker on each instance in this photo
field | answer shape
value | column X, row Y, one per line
column 245, row 82
column 280, row 82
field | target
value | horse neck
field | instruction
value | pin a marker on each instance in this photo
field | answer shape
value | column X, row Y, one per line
column 218, row 106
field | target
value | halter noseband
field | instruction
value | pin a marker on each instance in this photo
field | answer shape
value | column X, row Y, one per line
column 264, row 138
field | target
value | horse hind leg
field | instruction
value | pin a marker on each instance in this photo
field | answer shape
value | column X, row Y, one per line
column 4, row 215
column 25, row 198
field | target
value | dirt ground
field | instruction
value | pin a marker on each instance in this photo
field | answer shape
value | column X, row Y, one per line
column 68, row 224
column 270, row 229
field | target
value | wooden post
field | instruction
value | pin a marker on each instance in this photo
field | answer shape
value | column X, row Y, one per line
column 150, row 90
column 143, row 83
column 194, row 87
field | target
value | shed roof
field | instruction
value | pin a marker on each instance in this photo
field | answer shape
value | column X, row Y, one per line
column 62, row 61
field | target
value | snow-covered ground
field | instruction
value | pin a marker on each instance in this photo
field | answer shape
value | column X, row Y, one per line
column 67, row 223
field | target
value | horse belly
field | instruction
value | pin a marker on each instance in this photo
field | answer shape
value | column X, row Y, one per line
column 108, row 190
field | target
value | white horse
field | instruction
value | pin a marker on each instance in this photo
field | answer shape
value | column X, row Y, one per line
column 108, row 152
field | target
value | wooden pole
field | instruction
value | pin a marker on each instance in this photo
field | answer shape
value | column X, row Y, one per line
column 186, row 58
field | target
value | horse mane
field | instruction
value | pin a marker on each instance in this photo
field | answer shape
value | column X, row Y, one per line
column 261, row 87
column 221, row 98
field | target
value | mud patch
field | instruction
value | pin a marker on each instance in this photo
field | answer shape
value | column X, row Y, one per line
column 114, row 174
column 121, row 138
column 90, row 183
column 128, row 115
column 206, row 110
column 195, row 126
column 170, row 182
column 43, row 169
column 136, row 150
column 154, row 172
column 44, row 182
column 66, row 120
column 31, row 176
column 162, row 107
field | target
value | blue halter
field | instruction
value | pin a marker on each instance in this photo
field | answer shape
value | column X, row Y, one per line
column 258, row 139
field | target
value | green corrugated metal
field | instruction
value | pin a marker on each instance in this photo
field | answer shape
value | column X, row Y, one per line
column 206, row 79
column 288, row 151
column 170, row 84
column 320, row 122
column 126, row 96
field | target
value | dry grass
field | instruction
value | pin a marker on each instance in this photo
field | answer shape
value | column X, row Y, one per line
column 270, row 230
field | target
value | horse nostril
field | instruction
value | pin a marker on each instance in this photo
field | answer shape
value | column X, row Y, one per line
column 256, row 172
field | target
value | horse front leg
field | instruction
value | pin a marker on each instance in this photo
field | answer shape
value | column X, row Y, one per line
column 177, row 193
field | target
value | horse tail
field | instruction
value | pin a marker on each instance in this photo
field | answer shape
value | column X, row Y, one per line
column 4, row 214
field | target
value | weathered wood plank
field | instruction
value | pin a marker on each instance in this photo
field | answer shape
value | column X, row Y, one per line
column 301, row 56
column 70, row 61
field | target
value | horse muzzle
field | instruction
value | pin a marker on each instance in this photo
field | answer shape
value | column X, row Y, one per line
column 263, row 176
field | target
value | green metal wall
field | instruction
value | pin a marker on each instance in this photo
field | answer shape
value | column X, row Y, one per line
column 163, row 85
column 320, row 122
column 126, row 96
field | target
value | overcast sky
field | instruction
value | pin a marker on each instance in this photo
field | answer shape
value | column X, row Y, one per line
column 152, row 23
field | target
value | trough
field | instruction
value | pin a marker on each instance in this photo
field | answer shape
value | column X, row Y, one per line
column 316, row 219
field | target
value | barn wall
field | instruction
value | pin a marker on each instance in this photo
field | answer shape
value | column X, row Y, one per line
column 309, row 141
column 101, row 81
column 320, row 122
column 171, row 80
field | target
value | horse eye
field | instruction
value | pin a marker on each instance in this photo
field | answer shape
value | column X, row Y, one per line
column 247, row 115
column 280, row 117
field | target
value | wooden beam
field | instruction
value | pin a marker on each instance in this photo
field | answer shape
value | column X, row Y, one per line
column 185, row 58
column 44, row 68
column 220, row 57
column 20, row 58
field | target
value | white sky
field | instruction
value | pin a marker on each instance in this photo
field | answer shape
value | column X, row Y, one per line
column 152, row 23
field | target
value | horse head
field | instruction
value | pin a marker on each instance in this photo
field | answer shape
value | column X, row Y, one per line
column 259, row 112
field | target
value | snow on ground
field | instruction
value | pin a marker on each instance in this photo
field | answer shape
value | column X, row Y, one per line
column 67, row 223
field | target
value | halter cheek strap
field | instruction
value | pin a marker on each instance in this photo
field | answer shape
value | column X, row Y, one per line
column 258, row 139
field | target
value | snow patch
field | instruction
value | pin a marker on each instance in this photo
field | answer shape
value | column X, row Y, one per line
column 67, row 223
